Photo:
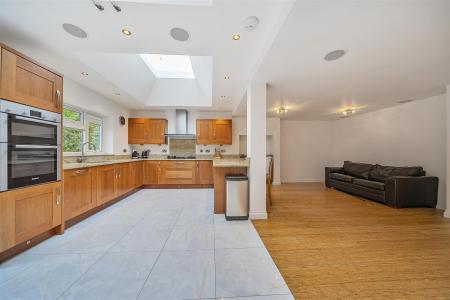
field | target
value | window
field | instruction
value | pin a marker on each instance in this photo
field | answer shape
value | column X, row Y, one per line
column 169, row 66
column 81, row 127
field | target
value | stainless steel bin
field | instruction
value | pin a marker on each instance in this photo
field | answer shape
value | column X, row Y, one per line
column 237, row 197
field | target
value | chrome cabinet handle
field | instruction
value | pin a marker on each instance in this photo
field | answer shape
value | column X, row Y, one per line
column 78, row 172
column 58, row 97
column 58, row 196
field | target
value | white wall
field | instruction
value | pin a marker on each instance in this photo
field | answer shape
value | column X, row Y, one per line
column 306, row 148
column 115, row 136
column 405, row 135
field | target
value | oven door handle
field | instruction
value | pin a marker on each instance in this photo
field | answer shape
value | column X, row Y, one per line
column 33, row 146
column 32, row 120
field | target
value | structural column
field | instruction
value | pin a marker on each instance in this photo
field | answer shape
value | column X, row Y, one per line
column 447, row 185
column 256, row 148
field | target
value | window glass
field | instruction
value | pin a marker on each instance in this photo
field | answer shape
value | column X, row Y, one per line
column 95, row 136
column 73, row 138
column 72, row 114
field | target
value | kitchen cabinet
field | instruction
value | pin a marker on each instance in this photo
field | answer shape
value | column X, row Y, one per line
column 79, row 191
column 106, row 184
column 214, row 132
column 26, row 82
column 177, row 172
column 28, row 212
column 122, row 179
column 151, row 170
column 204, row 172
column 136, row 175
column 147, row 131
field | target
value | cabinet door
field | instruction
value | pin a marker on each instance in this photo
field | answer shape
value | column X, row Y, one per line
column 177, row 172
column 204, row 132
column 204, row 170
column 157, row 131
column 106, row 184
column 28, row 83
column 79, row 191
column 135, row 175
column 151, row 170
column 122, row 179
column 137, row 131
column 223, row 132
column 28, row 212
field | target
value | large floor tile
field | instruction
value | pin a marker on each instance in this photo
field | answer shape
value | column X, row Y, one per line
column 18, row 265
column 191, row 237
column 181, row 275
column 247, row 272
column 94, row 240
column 236, row 234
column 144, row 238
column 269, row 297
column 114, row 276
column 49, row 278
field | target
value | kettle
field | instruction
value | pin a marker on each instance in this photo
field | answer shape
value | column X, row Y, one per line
column 135, row 154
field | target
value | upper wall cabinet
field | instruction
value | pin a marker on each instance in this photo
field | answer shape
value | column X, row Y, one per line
column 147, row 131
column 26, row 82
column 214, row 132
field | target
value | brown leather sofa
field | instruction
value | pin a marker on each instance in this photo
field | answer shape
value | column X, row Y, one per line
column 394, row 186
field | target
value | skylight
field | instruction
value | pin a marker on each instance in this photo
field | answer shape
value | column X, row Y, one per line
column 169, row 66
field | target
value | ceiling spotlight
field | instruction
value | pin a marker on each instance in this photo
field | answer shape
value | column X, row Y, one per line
column 334, row 55
column 126, row 32
column 226, row 77
column 116, row 7
column 84, row 73
column 223, row 97
column 97, row 5
column 282, row 110
column 348, row 112
column 236, row 37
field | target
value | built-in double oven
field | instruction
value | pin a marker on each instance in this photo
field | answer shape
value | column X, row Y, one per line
column 30, row 145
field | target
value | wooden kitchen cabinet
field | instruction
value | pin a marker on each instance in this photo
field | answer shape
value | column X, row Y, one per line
column 204, row 172
column 136, row 177
column 122, row 179
column 106, row 184
column 214, row 132
column 28, row 212
column 151, row 170
column 147, row 131
column 177, row 172
column 137, row 131
column 26, row 82
column 80, row 191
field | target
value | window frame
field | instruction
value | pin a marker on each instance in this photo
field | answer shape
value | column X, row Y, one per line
column 83, row 125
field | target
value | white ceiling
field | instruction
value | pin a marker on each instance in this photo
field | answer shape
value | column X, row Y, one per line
column 110, row 58
column 396, row 50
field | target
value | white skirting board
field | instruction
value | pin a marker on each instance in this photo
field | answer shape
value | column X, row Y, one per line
column 447, row 213
column 258, row 215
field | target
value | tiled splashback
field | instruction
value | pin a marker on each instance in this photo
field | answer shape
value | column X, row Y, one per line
column 94, row 158
column 180, row 147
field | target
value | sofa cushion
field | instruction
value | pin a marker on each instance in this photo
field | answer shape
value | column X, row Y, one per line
column 359, row 170
column 380, row 173
column 341, row 177
column 369, row 183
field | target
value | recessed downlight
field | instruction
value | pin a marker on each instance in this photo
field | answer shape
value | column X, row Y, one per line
column 334, row 55
column 74, row 30
column 126, row 31
column 226, row 77
column 179, row 34
column 236, row 37
column 84, row 73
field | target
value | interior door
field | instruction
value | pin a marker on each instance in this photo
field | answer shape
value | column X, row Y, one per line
column 28, row 83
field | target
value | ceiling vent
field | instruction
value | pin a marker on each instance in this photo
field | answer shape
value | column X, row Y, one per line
column 74, row 30
column 179, row 34
column 251, row 23
column 334, row 55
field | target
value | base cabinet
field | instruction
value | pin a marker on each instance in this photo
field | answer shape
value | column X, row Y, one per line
column 122, row 179
column 204, row 172
column 136, row 178
column 28, row 212
column 79, row 191
column 151, row 170
column 106, row 184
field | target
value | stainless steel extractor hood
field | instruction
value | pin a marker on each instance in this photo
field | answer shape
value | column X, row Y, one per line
column 181, row 125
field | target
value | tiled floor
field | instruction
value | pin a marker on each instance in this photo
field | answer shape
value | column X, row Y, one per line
column 156, row 244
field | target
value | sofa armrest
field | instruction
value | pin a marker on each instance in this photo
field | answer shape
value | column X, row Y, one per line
column 329, row 170
column 408, row 191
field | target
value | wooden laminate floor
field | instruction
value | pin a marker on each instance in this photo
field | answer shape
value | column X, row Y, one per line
column 330, row 245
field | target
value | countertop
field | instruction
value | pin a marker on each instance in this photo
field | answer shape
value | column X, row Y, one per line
column 220, row 163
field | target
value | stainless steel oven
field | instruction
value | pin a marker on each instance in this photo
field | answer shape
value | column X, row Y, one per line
column 30, row 145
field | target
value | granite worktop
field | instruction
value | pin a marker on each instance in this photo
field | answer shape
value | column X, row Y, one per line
column 226, row 161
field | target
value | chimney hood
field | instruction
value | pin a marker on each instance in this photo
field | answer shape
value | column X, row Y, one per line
column 181, row 125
